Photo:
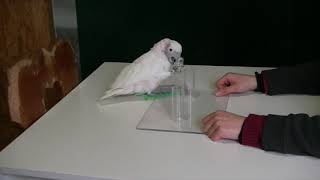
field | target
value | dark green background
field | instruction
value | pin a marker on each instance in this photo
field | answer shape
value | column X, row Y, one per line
column 217, row 32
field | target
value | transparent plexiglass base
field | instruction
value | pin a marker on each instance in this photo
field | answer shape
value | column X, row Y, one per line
column 184, row 109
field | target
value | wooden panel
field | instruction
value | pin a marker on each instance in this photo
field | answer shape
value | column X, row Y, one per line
column 25, row 26
column 33, row 84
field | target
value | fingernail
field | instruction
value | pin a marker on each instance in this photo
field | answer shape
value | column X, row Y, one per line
column 218, row 93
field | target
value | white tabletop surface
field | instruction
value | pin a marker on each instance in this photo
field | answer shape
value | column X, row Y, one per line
column 78, row 140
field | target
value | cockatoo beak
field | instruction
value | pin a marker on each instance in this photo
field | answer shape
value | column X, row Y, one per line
column 174, row 57
column 172, row 60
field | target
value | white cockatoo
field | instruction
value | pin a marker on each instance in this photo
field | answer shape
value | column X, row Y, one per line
column 145, row 73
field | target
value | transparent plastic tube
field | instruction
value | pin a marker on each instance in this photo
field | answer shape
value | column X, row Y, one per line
column 182, row 98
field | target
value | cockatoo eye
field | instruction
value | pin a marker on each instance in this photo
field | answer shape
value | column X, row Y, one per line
column 170, row 49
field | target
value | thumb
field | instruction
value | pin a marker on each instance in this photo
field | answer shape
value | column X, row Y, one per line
column 225, row 91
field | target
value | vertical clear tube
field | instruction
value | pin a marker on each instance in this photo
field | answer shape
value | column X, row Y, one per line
column 182, row 98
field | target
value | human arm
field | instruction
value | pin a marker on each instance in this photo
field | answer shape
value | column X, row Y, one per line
column 292, row 134
column 300, row 79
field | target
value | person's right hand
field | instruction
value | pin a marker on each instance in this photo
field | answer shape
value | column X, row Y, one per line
column 235, row 83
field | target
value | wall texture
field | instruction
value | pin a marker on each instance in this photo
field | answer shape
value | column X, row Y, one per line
column 25, row 26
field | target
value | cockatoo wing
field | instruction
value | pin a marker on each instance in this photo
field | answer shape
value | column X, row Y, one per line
column 143, row 75
column 138, row 70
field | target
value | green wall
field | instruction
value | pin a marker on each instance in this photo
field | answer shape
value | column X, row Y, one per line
column 229, row 32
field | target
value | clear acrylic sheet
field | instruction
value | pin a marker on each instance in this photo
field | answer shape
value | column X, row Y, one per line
column 184, row 110
column 160, row 116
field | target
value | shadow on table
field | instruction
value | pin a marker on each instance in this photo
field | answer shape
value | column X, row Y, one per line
column 9, row 130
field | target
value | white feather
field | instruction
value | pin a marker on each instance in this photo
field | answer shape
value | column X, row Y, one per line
column 144, row 74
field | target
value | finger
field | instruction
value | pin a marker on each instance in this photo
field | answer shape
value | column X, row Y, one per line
column 222, row 83
column 225, row 91
column 220, row 92
column 207, row 118
column 216, row 134
column 216, row 137
column 209, row 123
column 212, row 130
column 207, row 126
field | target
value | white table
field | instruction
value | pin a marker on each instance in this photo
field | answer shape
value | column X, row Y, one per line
column 77, row 140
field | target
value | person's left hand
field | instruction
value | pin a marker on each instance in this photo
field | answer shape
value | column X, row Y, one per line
column 222, row 125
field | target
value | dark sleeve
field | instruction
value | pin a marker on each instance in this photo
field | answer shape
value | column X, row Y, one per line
column 301, row 79
column 292, row 134
column 251, row 131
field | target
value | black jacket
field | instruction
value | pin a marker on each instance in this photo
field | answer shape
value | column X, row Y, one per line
column 295, row 133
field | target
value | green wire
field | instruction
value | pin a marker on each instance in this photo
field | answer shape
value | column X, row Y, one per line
column 149, row 97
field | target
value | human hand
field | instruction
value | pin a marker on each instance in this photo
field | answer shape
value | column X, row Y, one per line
column 222, row 125
column 235, row 83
